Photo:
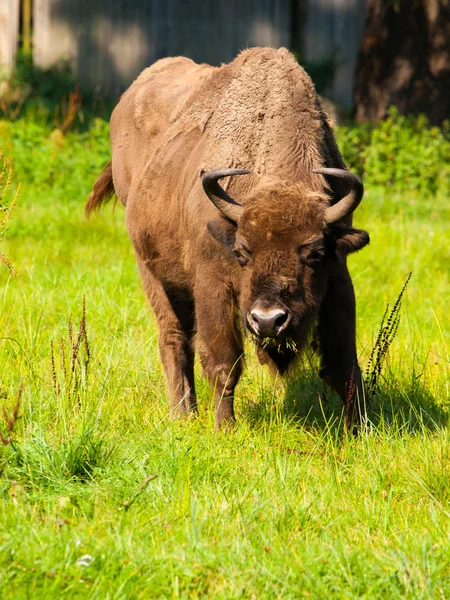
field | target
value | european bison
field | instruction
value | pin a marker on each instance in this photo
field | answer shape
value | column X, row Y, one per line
column 264, row 253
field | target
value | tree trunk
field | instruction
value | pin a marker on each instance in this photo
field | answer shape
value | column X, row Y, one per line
column 404, row 60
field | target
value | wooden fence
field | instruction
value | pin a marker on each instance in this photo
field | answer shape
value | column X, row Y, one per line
column 9, row 32
column 333, row 28
column 108, row 42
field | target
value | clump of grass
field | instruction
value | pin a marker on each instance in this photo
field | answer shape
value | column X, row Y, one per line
column 43, row 462
column 6, row 207
column 71, row 370
column 82, row 454
column 386, row 334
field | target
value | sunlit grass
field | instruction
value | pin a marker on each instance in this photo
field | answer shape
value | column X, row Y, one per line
column 285, row 505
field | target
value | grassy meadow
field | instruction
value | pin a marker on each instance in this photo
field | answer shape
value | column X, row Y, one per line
column 101, row 496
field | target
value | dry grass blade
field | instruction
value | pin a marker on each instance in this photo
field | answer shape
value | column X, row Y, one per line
column 126, row 505
column 65, row 116
column 7, row 437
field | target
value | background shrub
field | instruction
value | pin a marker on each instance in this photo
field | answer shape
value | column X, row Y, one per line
column 402, row 153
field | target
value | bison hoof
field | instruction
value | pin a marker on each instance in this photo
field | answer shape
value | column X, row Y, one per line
column 185, row 409
column 225, row 424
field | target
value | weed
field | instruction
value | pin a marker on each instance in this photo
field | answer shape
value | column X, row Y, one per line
column 74, row 358
column 386, row 334
column 6, row 207
column 12, row 99
column 66, row 114
column 7, row 436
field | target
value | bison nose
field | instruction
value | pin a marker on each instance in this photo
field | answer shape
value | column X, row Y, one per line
column 268, row 322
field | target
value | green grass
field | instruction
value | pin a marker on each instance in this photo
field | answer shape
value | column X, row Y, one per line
column 284, row 506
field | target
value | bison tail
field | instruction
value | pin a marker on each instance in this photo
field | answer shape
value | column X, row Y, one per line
column 102, row 191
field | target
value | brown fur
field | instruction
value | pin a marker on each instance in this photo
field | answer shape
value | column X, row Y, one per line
column 103, row 190
column 259, row 112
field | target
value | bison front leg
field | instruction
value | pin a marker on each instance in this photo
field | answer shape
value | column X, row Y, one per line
column 174, row 311
column 220, row 347
column 337, row 340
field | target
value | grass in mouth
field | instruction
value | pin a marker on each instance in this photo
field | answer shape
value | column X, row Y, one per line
column 282, row 344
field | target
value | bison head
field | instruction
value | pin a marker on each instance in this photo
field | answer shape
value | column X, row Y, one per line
column 287, row 239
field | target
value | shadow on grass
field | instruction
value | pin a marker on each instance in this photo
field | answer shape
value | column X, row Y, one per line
column 399, row 405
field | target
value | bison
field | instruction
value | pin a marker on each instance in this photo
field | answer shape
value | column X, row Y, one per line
column 265, row 250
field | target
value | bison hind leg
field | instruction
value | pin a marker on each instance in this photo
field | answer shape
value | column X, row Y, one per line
column 337, row 335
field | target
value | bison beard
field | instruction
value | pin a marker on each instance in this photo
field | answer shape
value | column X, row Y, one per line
column 223, row 249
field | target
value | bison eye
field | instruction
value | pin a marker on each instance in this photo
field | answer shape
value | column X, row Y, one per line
column 241, row 258
column 316, row 256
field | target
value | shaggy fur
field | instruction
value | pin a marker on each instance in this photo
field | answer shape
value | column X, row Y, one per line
column 200, row 271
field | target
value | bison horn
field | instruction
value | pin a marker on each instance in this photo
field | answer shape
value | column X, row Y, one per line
column 350, row 202
column 231, row 209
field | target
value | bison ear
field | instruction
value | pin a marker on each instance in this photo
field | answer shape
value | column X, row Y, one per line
column 350, row 240
column 223, row 232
